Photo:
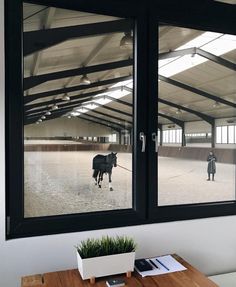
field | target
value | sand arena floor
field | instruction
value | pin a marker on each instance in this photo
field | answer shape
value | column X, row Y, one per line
column 62, row 183
column 185, row 181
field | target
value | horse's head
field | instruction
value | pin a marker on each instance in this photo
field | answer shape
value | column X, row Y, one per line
column 113, row 158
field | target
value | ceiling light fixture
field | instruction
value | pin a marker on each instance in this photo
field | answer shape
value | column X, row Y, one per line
column 65, row 98
column 40, row 120
column 178, row 111
column 43, row 117
column 85, row 80
column 48, row 113
column 54, row 107
column 216, row 104
column 127, row 41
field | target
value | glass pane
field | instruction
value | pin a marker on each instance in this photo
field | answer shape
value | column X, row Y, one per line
column 165, row 137
column 231, row 134
column 224, row 134
column 174, row 132
column 78, row 121
column 171, row 136
column 180, row 136
column 218, row 135
column 194, row 101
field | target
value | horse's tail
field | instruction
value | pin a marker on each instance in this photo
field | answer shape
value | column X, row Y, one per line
column 95, row 173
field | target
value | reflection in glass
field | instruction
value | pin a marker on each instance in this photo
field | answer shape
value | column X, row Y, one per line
column 78, row 104
column 196, row 115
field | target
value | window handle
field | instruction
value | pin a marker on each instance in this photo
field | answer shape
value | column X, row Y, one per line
column 155, row 139
column 142, row 137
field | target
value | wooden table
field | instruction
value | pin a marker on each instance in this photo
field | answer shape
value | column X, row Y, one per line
column 71, row 278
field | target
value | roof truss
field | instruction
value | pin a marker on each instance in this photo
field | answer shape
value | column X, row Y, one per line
column 60, row 113
column 172, row 119
column 203, row 116
column 72, row 105
column 35, row 41
column 33, row 81
column 200, row 52
column 33, row 97
column 196, row 91
column 109, row 116
column 81, row 97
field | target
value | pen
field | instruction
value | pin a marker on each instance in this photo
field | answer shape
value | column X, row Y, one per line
column 153, row 264
column 162, row 264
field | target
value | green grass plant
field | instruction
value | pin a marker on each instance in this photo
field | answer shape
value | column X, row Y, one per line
column 105, row 246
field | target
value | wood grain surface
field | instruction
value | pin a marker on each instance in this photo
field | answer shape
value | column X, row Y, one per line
column 71, row 278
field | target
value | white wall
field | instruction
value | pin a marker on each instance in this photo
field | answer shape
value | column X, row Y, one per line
column 209, row 244
column 197, row 127
column 193, row 127
column 66, row 127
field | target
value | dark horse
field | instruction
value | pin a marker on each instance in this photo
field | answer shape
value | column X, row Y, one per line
column 103, row 164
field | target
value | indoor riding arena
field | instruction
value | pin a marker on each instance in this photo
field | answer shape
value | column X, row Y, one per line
column 79, row 103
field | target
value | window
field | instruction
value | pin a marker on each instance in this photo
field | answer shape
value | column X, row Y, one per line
column 185, row 99
column 225, row 134
column 218, row 135
column 77, row 104
column 231, row 134
column 61, row 176
column 172, row 136
column 82, row 84
column 179, row 136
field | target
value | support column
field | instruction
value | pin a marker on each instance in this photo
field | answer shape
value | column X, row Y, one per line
column 213, row 134
column 120, row 137
column 183, row 143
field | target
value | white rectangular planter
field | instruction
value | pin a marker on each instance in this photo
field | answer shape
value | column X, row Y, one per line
column 105, row 265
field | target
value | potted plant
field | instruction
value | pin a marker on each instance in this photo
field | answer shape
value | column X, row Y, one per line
column 105, row 256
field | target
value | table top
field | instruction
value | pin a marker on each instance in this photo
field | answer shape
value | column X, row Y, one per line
column 71, row 278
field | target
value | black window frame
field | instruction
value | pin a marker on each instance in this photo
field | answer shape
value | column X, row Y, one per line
column 203, row 15
column 206, row 16
column 17, row 225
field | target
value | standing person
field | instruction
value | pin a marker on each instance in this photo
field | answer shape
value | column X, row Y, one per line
column 211, row 168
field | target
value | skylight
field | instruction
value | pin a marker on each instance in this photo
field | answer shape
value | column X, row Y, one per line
column 102, row 98
column 214, row 43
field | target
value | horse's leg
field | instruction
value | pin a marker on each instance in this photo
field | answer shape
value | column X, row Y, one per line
column 110, row 186
column 96, row 178
column 99, row 179
column 95, row 175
